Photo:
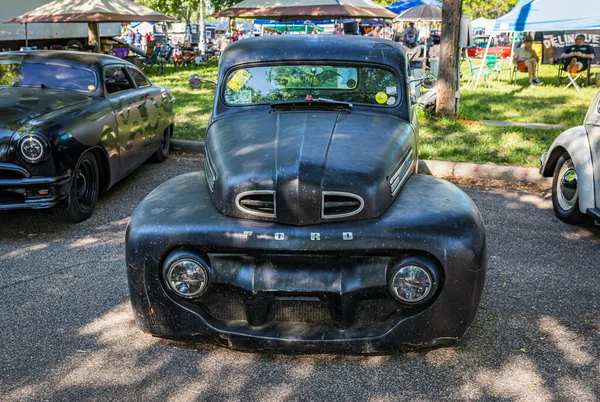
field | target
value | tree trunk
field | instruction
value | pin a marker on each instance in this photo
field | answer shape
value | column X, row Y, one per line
column 94, row 35
column 449, row 59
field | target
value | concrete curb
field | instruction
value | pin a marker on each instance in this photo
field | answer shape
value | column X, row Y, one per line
column 435, row 168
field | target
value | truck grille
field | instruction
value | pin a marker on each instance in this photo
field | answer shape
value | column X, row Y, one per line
column 229, row 306
column 340, row 205
column 259, row 203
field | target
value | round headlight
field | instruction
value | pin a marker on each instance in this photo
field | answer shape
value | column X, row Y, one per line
column 32, row 148
column 187, row 278
column 411, row 284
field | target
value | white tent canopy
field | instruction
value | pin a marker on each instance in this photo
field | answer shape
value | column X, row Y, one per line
column 486, row 24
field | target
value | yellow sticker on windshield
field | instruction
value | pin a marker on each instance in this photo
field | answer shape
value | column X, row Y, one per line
column 91, row 87
column 238, row 80
column 381, row 97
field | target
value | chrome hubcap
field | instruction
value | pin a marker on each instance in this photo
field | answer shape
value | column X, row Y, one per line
column 566, row 191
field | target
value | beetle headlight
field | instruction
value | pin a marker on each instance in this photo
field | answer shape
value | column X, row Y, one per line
column 32, row 148
column 414, row 281
column 186, row 277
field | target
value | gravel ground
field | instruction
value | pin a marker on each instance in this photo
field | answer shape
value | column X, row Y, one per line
column 67, row 333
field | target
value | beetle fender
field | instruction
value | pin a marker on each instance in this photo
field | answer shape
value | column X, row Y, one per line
column 575, row 142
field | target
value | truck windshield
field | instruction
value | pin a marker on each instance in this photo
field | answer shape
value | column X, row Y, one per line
column 46, row 75
column 359, row 85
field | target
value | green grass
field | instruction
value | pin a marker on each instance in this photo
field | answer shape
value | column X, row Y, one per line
column 192, row 106
column 445, row 139
column 440, row 139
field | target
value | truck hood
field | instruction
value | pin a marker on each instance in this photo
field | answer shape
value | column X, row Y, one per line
column 20, row 105
column 306, row 161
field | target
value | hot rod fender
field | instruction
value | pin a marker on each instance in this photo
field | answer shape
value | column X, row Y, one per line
column 430, row 216
column 575, row 141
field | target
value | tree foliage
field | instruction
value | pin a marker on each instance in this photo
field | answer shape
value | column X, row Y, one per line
column 475, row 8
column 219, row 5
column 487, row 8
column 183, row 10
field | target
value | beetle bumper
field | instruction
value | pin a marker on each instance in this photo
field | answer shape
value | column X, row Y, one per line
column 277, row 286
column 20, row 191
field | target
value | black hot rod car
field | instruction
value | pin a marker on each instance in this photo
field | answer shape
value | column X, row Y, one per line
column 308, row 228
column 71, row 125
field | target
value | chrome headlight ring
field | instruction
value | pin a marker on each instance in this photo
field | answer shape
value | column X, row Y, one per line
column 414, row 280
column 33, row 147
column 186, row 274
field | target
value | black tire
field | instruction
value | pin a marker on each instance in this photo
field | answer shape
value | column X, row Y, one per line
column 565, row 194
column 83, row 195
column 162, row 153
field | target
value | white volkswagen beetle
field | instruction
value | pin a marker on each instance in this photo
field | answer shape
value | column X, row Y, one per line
column 574, row 163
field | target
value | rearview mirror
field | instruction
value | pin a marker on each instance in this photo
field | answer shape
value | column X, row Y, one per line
column 196, row 82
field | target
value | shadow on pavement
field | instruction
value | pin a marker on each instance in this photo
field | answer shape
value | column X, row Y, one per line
column 70, row 335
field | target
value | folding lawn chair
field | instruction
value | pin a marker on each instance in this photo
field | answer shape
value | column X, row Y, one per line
column 167, row 61
column 474, row 71
column 574, row 77
column 151, row 61
column 515, row 70
column 496, row 66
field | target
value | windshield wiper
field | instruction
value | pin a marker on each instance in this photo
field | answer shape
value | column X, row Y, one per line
column 310, row 102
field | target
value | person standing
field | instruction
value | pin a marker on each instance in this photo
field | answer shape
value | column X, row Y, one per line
column 376, row 33
column 577, row 57
column 526, row 60
column 411, row 35
column 137, row 39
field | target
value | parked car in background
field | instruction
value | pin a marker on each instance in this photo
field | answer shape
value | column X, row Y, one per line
column 479, row 45
column 573, row 162
column 72, row 124
column 309, row 228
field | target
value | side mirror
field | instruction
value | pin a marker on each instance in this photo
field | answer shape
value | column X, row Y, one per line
column 427, row 81
column 196, row 82
column 112, row 77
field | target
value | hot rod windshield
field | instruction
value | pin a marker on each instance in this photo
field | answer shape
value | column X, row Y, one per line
column 266, row 84
column 16, row 73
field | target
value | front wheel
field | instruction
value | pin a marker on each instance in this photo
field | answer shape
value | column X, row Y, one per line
column 83, row 195
column 565, row 192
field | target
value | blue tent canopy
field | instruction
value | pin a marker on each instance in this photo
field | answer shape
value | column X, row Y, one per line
column 550, row 15
column 294, row 22
column 400, row 6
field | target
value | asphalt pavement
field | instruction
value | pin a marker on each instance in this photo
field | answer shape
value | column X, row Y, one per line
column 67, row 332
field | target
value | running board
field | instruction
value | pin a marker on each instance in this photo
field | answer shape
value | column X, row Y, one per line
column 594, row 213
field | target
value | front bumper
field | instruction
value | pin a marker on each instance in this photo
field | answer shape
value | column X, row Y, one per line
column 272, row 286
column 18, row 190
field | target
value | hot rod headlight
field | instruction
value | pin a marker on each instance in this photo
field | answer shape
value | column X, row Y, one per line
column 187, row 277
column 32, row 148
column 414, row 280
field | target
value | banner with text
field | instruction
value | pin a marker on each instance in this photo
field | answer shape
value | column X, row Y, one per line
column 555, row 41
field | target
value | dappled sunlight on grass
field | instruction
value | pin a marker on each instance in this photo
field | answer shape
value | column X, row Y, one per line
column 192, row 106
column 446, row 139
